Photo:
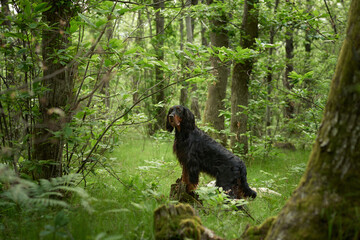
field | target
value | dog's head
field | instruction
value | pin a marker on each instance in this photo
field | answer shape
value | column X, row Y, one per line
column 181, row 118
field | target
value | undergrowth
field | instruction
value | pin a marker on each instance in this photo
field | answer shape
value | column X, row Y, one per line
column 122, row 193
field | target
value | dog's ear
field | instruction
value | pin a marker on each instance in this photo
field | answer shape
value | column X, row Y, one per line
column 169, row 128
column 189, row 120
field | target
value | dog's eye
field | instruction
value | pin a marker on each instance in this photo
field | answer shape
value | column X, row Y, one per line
column 179, row 109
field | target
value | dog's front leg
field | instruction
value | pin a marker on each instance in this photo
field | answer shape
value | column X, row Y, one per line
column 190, row 186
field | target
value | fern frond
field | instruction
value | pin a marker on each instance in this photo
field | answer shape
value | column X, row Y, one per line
column 50, row 194
column 47, row 202
column 78, row 190
column 30, row 195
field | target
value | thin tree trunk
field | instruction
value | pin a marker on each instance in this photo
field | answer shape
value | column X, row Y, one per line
column 241, row 78
column 139, row 42
column 184, row 95
column 308, row 82
column 160, row 112
column 217, row 89
column 269, row 76
column 289, row 49
column 326, row 203
column 184, row 89
column 105, row 89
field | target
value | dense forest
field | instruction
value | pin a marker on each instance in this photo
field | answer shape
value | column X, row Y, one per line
column 86, row 86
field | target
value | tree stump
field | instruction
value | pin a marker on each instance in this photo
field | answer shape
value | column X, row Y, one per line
column 180, row 222
column 178, row 193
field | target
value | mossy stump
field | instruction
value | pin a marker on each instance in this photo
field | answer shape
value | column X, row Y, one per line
column 178, row 193
column 179, row 222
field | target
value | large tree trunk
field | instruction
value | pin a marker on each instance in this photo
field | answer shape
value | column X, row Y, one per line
column 326, row 203
column 217, row 89
column 241, row 78
column 54, row 101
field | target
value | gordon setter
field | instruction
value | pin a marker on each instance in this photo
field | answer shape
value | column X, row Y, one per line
column 197, row 152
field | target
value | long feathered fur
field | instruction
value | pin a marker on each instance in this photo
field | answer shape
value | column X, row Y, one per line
column 197, row 152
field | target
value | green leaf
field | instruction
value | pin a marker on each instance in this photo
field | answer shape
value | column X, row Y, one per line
column 33, row 25
column 108, row 63
column 42, row 7
column 123, row 11
column 101, row 22
column 15, row 35
column 74, row 26
column 21, row 51
column 86, row 20
column 67, row 131
column 196, row 80
column 27, row 11
column 116, row 43
column 131, row 51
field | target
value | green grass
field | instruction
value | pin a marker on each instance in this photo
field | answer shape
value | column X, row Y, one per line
column 144, row 169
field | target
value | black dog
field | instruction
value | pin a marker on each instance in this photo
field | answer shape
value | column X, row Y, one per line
column 197, row 152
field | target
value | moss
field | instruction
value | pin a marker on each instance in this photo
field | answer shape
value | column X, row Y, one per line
column 177, row 222
column 258, row 232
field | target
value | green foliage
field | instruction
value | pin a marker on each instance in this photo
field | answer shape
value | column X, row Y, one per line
column 23, row 202
column 24, row 195
column 136, row 180
column 215, row 199
column 110, row 56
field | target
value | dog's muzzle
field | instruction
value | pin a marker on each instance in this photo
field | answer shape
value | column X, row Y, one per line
column 174, row 120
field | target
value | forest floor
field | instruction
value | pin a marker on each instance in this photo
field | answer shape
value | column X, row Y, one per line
column 136, row 179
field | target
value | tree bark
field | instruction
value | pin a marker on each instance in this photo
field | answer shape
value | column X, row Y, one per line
column 241, row 78
column 184, row 89
column 326, row 203
column 136, row 78
column 59, row 94
column 160, row 111
column 289, row 49
column 184, row 96
column 308, row 83
column 269, row 75
column 217, row 89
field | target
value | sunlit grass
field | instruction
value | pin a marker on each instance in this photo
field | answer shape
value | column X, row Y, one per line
column 147, row 168
column 136, row 179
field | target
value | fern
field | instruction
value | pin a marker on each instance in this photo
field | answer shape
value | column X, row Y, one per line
column 31, row 196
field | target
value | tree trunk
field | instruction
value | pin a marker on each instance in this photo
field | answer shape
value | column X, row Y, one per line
column 309, row 83
column 217, row 89
column 326, row 203
column 241, row 78
column 184, row 90
column 105, row 89
column 269, row 75
column 54, row 101
column 139, row 42
column 160, row 111
column 289, row 49
column 184, row 96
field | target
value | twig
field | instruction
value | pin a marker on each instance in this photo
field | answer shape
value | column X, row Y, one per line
column 124, row 114
column 331, row 17
column 293, row 94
